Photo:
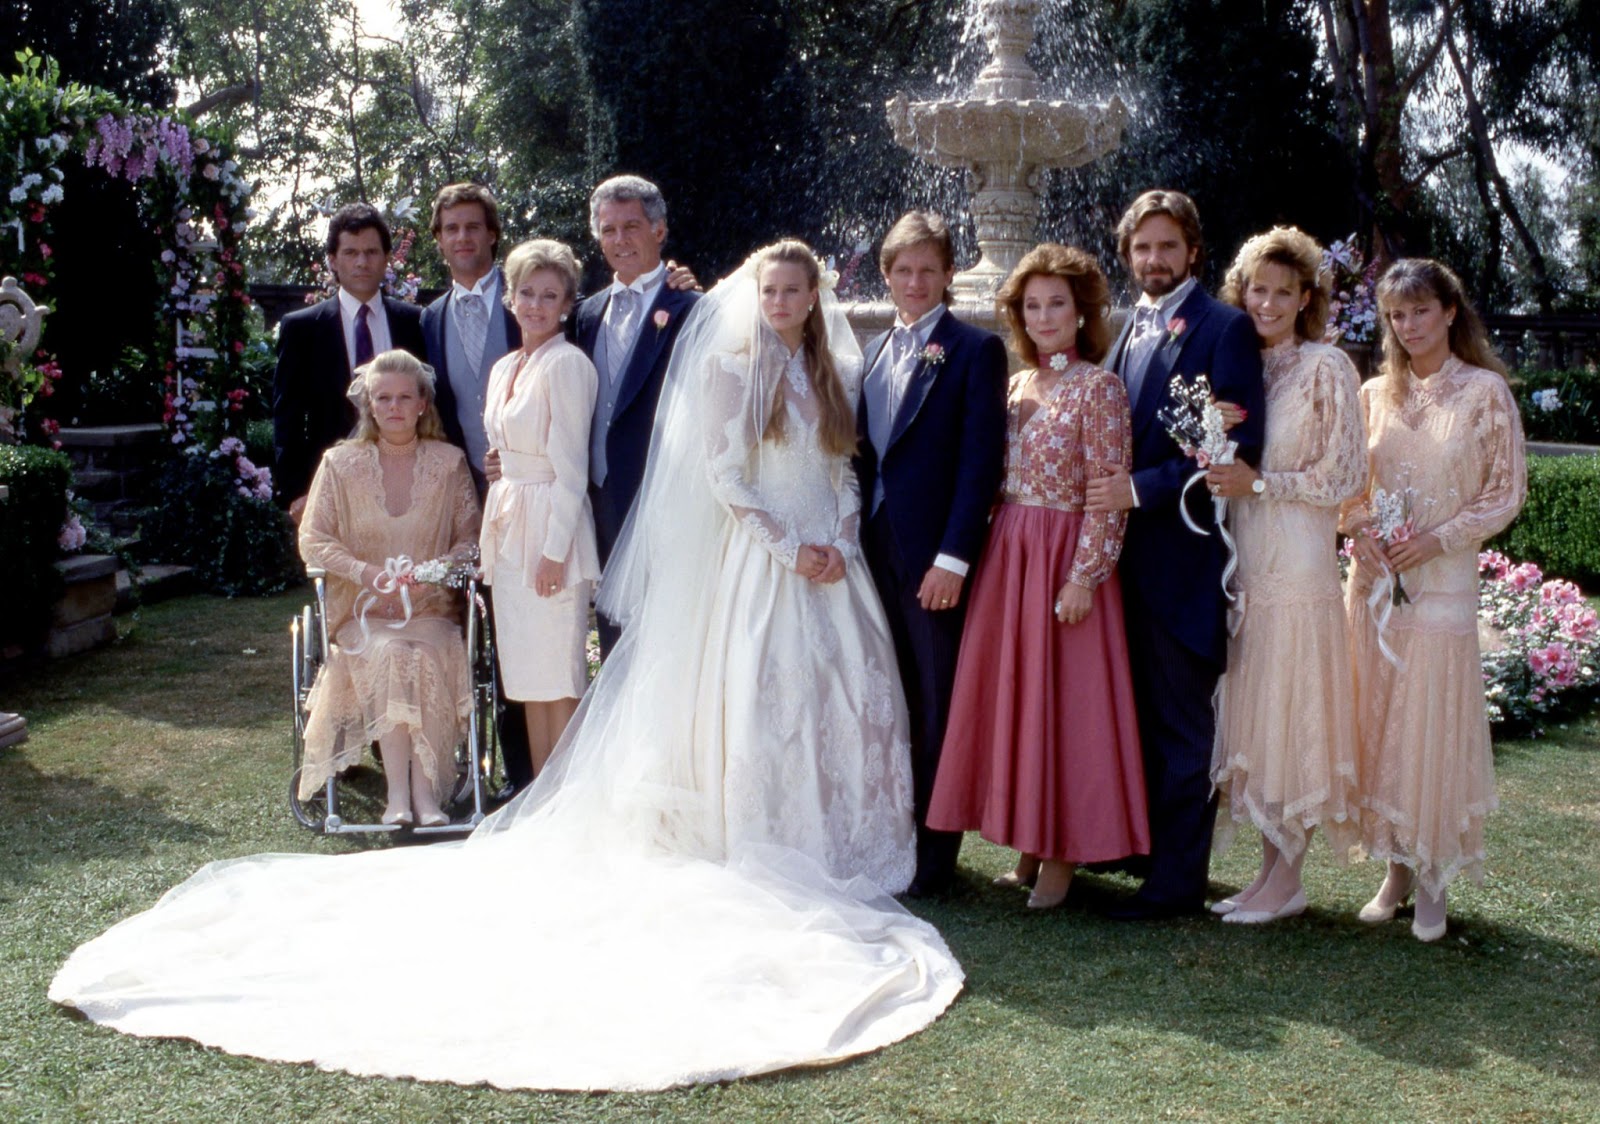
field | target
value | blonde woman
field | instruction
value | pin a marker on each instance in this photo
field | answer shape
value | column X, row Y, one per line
column 1285, row 756
column 538, row 549
column 396, row 487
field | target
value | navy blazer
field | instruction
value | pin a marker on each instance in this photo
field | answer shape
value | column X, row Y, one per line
column 946, row 453
column 433, row 331
column 633, row 418
column 309, row 409
column 1175, row 574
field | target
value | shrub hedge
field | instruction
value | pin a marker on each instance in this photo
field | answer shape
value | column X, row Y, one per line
column 30, row 523
column 1559, row 528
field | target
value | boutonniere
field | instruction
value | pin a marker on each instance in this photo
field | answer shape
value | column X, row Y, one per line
column 1175, row 328
column 932, row 355
column 660, row 318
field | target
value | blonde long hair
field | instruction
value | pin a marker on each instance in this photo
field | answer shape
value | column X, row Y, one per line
column 430, row 427
column 1420, row 279
column 836, row 429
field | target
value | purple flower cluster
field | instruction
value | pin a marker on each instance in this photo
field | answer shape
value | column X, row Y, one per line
column 1542, row 641
column 250, row 480
column 132, row 147
column 1353, row 309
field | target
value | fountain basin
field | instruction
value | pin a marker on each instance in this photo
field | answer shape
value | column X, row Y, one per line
column 1037, row 132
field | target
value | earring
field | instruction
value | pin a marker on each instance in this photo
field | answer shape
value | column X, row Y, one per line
column 563, row 317
column 810, row 307
column 1080, row 322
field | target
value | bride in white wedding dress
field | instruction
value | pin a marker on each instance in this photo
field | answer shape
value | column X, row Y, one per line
column 700, row 880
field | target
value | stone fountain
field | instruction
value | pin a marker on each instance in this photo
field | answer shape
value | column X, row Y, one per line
column 1005, row 133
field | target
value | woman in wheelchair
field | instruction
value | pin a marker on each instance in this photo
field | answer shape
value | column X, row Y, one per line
column 394, row 490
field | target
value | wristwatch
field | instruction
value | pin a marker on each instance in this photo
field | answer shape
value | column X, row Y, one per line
column 1258, row 485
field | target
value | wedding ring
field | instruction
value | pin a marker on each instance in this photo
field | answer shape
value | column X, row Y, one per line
column 944, row 601
column 1058, row 608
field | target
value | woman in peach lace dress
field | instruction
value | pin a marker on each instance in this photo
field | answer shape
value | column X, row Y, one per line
column 1442, row 430
column 1285, row 757
column 395, row 488
column 1042, row 749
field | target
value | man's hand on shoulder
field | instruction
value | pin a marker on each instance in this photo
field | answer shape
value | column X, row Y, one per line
column 681, row 278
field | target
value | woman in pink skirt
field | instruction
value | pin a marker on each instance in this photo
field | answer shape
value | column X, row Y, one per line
column 1042, row 748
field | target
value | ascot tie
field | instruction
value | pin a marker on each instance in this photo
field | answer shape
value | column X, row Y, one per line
column 621, row 323
column 904, row 361
column 472, row 321
column 363, row 336
column 1141, row 346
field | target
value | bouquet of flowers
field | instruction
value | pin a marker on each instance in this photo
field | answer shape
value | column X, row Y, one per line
column 1193, row 420
column 401, row 575
column 1353, row 311
column 1541, row 642
column 1392, row 523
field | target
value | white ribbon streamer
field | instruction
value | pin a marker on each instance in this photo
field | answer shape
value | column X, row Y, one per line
column 392, row 580
column 1380, row 603
column 1219, row 507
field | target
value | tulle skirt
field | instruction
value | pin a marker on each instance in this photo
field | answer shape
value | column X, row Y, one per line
column 1041, row 752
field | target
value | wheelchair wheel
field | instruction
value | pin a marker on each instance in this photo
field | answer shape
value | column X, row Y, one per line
column 305, row 658
column 481, row 771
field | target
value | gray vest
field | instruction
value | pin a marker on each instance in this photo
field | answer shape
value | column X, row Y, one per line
column 472, row 387
column 605, row 401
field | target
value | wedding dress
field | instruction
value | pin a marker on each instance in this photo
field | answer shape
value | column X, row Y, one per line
column 699, row 883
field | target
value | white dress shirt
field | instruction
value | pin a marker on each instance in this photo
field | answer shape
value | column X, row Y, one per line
column 377, row 324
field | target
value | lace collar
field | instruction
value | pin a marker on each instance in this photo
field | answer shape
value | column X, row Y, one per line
column 794, row 369
column 1431, row 388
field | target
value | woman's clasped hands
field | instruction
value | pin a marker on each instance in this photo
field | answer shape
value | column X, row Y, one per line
column 821, row 564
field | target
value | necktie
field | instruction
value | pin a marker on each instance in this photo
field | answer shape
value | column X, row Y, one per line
column 472, row 321
column 621, row 323
column 363, row 337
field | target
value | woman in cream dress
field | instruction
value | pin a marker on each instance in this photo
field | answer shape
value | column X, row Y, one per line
column 1442, row 428
column 538, row 548
column 1285, row 755
column 395, row 488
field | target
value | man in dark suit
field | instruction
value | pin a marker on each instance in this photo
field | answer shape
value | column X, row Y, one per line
column 320, row 347
column 1173, row 601
column 932, row 423
column 627, row 329
column 466, row 330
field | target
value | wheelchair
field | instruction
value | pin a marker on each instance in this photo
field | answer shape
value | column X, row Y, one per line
column 479, row 770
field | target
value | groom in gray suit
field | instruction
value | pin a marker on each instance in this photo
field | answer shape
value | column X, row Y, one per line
column 466, row 331
column 468, row 328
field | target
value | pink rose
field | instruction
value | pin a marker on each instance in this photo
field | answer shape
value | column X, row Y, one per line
column 660, row 318
column 1176, row 327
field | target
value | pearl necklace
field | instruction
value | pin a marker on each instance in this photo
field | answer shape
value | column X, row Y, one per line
column 396, row 448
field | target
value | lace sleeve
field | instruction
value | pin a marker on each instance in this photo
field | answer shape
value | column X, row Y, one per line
column 1495, row 430
column 730, row 414
column 1353, row 513
column 320, row 527
column 1333, row 444
column 848, row 488
column 1106, row 438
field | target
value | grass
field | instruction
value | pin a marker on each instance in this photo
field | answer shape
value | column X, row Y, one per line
column 169, row 750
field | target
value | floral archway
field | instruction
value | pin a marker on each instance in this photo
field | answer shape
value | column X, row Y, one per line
column 188, row 190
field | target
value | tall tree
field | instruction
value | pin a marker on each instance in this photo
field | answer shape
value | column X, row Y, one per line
column 114, row 44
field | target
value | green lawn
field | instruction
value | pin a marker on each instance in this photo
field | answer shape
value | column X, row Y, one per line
column 169, row 750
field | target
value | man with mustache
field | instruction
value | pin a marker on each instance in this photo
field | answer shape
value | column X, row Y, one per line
column 1174, row 606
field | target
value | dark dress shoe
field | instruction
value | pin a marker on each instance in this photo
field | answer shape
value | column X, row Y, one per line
column 1141, row 909
column 928, row 888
